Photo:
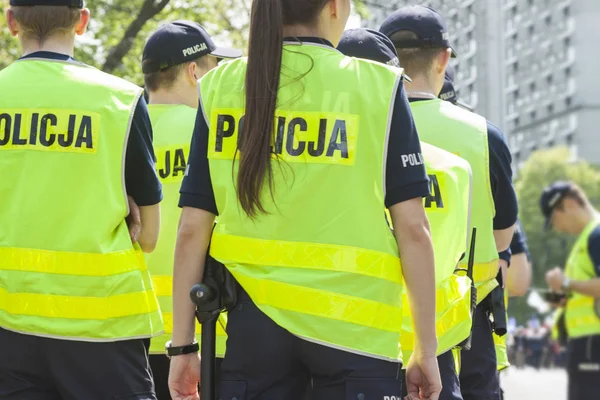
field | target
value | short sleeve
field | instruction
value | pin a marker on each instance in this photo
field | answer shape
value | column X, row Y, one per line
column 503, row 191
column 141, row 180
column 594, row 249
column 406, row 176
column 196, row 189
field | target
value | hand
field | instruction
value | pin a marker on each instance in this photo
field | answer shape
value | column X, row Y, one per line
column 555, row 278
column 423, row 378
column 184, row 377
column 134, row 220
column 504, row 272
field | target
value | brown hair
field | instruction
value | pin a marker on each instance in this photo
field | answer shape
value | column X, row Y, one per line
column 574, row 193
column 414, row 60
column 166, row 78
column 41, row 22
column 262, row 82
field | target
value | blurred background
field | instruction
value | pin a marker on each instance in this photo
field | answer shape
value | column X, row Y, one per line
column 530, row 66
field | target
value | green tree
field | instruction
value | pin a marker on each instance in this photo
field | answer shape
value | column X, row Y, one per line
column 118, row 30
column 548, row 249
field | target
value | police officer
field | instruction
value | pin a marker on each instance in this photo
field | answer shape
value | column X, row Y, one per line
column 175, row 57
column 77, row 306
column 299, row 179
column 421, row 39
column 448, row 209
column 568, row 210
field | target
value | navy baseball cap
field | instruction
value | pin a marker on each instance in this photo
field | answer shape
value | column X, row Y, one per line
column 179, row 42
column 551, row 196
column 370, row 45
column 448, row 93
column 27, row 3
column 425, row 22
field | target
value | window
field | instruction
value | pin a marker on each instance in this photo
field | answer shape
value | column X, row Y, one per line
column 568, row 72
column 549, row 79
column 567, row 42
column 530, row 2
column 531, row 29
column 532, row 87
column 551, row 143
column 533, row 115
column 550, row 108
column 516, row 67
column 567, row 11
column 517, row 122
column 548, row 19
column 569, row 139
column 569, row 101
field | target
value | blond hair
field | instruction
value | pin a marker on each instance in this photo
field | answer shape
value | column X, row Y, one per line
column 414, row 60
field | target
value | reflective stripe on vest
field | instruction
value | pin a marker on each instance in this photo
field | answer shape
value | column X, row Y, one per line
column 448, row 209
column 500, row 343
column 465, row 134
column 316, row 272
column 580, row 318
column 68, row 268
column 173, row 126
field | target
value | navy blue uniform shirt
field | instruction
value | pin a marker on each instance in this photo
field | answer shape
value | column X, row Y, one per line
column 402, row 182
column 503, row 192
column 141, row 181
column 594, row 249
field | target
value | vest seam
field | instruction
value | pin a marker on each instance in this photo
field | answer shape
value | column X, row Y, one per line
column 388, row 129
column 203, row 108
column 70, row 62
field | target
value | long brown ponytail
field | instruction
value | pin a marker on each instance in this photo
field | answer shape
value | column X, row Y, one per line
column 262, row 83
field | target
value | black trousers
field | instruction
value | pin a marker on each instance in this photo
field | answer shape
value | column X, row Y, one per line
column 266, row 362
column 583, row 368
column 35, row 368
column 479, row 378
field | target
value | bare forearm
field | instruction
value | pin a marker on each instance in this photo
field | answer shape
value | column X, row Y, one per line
column 519, row 275
column 416, row 251
column 503, row 238
column 190, row 257
column 589, row 288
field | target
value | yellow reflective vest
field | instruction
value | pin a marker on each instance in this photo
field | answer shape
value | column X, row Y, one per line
column 448, row 209
column 323, row 263
column 464, row 133
column 500, row 343
column 68, row 268
column 580, row 317
column 173, row 126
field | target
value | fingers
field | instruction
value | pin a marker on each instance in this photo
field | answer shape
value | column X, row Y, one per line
column 134, row 220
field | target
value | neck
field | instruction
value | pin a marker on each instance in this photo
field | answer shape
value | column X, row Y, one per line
column 303, row 30
column 176, row 96
column 421, row 86
column 54, row 44
column 583, row 219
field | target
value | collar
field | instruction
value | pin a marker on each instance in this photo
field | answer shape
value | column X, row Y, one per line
column 309, row 39
column 49, row 55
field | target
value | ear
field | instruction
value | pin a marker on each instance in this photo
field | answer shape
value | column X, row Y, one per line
column 11, row 22
column 84, row 20
column 192, row 73
column 444, row 60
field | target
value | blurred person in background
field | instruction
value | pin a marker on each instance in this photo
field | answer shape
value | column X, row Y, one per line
column 175, row 57
column 568, row 210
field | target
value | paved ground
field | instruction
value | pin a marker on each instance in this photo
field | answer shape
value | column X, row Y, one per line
column 529, row 384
